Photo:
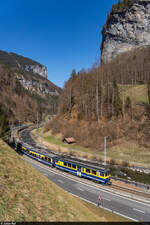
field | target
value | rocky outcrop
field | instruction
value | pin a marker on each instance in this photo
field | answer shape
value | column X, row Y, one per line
column 38, row 69
column 38, row 87
column 26, row 71
column 127, row 27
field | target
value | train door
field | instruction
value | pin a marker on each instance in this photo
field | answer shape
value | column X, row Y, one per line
column 79, row 171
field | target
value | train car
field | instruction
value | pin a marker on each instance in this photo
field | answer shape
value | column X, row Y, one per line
column 85, row 170
column 78, row 168
column 48, row 159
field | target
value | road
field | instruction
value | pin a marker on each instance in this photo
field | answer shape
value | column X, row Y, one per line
column 124, row 206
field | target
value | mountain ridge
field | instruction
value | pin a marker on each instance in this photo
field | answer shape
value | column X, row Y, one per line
column 24, row 92
column 24, row 63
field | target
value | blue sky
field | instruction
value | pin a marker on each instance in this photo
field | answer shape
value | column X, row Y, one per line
column 61, row 34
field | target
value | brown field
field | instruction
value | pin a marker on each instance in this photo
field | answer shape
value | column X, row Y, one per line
column 130, row 152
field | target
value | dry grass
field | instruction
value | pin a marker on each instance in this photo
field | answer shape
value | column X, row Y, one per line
column 130, row 152
column 125, row 151
column 139, row 93
column 26, row 195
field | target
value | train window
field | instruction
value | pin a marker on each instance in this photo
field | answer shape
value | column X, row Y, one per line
column 82, row 169
column 93, row 172
column 74, row 166
column 88, row 170
column 69, row 164
column 65, row 164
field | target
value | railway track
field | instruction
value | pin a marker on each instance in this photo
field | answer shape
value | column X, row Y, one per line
column 113, row 187
column 122, row 191
column 131, row 191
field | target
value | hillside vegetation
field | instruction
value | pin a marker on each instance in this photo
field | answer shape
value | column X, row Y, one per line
column 122, row 5
column 27, row 195
column 108, row 100
column 13, row 59
column 20, row 103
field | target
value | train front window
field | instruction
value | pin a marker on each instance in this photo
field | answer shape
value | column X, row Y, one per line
column 106, row 174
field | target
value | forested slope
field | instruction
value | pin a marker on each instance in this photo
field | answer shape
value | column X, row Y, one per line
column 108, row 100
column 25, row 92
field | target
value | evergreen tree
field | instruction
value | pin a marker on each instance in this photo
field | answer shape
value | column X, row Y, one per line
column 73, row 74
column 128, row 102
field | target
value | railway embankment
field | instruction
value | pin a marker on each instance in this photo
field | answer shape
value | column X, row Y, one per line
column 27, row 195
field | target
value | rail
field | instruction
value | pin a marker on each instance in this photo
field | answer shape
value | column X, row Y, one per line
column 122, row 188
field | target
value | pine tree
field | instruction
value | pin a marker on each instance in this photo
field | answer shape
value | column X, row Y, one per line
column 128, row 102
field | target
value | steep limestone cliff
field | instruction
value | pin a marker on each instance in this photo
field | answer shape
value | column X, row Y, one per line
column 27, row 72
column 38, row 69
column 127, row 27
column 38, row 86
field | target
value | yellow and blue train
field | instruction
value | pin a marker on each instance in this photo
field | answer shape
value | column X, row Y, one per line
column 74, row 166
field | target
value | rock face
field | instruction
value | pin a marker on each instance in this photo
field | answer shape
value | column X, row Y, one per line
column 41, row 70
column 38, row 87
column 26, row 73
column 127, row 27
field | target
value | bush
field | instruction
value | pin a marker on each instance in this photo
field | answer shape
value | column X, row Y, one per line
column 125, row 164
column 112, row 162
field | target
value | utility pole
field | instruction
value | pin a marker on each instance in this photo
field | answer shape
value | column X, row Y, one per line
column 105, row 151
